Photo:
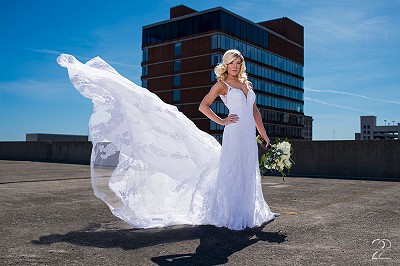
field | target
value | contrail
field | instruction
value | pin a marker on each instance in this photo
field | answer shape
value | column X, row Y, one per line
column 47, row 51
column 352, row 94
column 339, row 106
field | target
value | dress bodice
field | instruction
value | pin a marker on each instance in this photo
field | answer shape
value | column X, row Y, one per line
column 237, row 102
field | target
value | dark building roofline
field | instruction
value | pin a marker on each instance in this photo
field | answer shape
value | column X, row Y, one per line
column 181, row 10
column 195, row 13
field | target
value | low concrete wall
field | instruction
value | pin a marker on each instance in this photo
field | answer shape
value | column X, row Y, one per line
column 378, row 158
column 59, row 151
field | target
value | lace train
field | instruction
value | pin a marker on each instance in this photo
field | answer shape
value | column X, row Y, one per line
column 153, row 167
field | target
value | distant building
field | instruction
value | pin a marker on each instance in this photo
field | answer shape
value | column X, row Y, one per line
column 179, row 56
column 370, row 131
column 308, row 125
column 54, row 137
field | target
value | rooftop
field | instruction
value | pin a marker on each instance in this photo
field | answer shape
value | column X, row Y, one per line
column 51, row 217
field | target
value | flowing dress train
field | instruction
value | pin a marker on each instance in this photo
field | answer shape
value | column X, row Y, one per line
column 153, row 167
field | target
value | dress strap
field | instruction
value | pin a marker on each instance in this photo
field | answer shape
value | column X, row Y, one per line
column 229, row 86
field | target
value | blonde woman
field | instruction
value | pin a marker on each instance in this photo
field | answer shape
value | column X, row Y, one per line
column 239, row 201
column 153, row 167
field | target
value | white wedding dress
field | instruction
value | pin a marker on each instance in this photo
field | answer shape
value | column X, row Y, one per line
column 152, row 165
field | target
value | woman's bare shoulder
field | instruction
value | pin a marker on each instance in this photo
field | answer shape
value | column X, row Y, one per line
column 220, row 88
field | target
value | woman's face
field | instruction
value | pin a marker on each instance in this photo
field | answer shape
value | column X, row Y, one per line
column 234, row 66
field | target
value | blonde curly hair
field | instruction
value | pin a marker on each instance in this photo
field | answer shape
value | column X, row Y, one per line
column 221, row 70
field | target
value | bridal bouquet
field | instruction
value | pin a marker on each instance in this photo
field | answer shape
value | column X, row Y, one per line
column 277, row 157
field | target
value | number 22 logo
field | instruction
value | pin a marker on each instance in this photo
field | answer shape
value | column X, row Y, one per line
column 383, row 245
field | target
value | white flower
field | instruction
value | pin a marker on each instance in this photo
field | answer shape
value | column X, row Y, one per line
column 281, row 165
column 285, row 156
column 288, row 163
column 285, row 147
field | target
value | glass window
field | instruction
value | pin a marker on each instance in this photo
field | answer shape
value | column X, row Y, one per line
column 174, row 29
column 144, row 70
column 213, row 125
column 177, row 80
column 260, row 36
column 213, row 78
column 144, row 83
column 231, row 24
column 214, row 17
column 214, row 41
column 167, row 33
column 237, row 27
column 176, row 95
column 177, row 65
column 145, row 55
column 177, row 49
column 182, row 30
column 249, row 31
column 204, row 23
column 195, row 22
column 224, row 21
column 243, row 30
column 214, row 59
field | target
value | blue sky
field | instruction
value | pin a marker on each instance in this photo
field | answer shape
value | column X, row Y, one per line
column 351, row 69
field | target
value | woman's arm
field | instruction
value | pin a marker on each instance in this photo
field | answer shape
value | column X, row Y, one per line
column 260, row 124
column 204, row 106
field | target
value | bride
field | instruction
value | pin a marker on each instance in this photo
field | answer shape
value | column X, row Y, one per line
column 153, row 167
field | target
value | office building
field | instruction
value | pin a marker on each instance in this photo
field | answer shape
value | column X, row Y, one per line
column 179, row 56
column 370, row 131
column 308, row 124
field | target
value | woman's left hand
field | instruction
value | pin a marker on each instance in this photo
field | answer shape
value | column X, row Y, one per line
column 266, row 140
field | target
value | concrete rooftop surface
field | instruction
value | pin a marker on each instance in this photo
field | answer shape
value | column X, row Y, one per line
column 49, row 216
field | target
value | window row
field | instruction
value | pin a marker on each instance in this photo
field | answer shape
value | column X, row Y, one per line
column 243, row 29
column 219, row 108
column 264, row 72
column 221, row 41
column 215, row 126
column 263, row 100
column 177, row 68
column 273, row 75
column 283, row 131
column 181, row 28
column 270, row 88
column 276, row 89
column 198, row 24
column 279, row 103
column 272, row 115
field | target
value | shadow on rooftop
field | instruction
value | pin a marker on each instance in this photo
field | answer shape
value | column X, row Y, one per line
column 216, row 243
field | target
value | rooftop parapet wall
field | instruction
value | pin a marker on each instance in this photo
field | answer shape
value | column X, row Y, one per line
column 376, row 159
column 58, row 151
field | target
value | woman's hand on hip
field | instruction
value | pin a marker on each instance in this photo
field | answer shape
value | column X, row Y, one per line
column 232, row 118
